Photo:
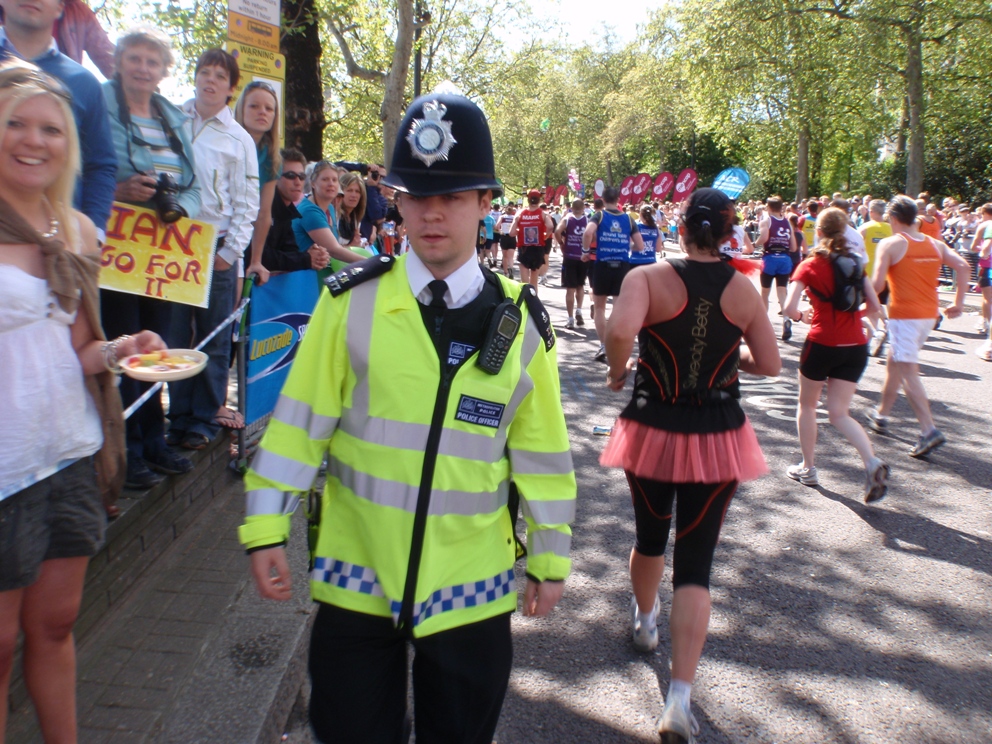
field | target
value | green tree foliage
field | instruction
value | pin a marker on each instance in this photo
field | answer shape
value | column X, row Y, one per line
column 809, row 96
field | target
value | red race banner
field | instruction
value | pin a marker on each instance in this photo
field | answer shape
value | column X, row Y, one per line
column 626, row 186
column 640, row 187
column 549, row 194
column 684, row 184
column 561, row 193
column 662, row 185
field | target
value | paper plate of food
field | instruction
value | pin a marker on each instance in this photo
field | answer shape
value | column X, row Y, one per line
column 167, row 365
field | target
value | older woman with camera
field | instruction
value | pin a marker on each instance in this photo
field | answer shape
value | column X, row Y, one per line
column 154, row 170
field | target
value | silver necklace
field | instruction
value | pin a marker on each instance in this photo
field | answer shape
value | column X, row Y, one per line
column 53, row 229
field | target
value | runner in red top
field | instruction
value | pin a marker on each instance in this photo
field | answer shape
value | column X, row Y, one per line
column 531, row 227
column 836, row 349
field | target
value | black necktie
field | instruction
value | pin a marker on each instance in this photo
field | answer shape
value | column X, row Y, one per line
column 438, row 288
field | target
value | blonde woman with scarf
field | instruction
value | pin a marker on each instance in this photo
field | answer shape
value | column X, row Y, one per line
column 61, row 426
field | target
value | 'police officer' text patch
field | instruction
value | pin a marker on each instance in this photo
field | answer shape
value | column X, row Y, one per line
column 481, row 412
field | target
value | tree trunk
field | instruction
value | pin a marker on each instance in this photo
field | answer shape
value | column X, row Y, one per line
column 802, row 163
column 305, row 120
column 903, row 126
column 609, row 174
column 914, row 94
column 391, row 112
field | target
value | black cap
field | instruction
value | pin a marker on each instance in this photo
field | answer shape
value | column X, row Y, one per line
column 710, row 205
column 443, row 146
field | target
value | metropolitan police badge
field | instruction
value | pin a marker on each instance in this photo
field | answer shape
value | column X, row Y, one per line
column 430, row 138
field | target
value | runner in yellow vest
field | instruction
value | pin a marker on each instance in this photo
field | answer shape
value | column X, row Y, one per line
column 431, row 386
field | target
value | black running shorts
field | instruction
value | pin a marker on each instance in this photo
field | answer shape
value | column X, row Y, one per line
column 608, row 277
column 818, row 362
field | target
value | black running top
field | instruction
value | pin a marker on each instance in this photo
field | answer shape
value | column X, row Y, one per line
column 686, row 378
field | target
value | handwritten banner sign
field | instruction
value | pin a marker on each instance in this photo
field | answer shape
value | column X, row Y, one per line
column 145, row 256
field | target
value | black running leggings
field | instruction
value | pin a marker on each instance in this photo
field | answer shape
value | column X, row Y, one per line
column 701, row 509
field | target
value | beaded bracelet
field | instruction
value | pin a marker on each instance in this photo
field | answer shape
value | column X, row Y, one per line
column 109, row 351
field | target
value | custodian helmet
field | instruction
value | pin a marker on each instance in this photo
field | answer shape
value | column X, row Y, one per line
column 443, row 146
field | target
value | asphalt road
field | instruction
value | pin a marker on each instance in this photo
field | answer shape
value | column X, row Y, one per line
column 832, row 621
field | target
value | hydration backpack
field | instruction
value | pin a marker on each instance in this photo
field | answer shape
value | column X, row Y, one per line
column 849, row 289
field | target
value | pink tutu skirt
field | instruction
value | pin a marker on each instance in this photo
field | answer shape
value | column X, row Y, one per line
column 675, row 457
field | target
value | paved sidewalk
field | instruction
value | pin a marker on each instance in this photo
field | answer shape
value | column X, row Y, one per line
column 193, row 655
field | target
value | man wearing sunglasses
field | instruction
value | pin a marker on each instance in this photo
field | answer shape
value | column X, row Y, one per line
column 281, row 252
column 376, row 206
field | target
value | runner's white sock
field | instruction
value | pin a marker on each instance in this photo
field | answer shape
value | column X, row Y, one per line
column 678, row 693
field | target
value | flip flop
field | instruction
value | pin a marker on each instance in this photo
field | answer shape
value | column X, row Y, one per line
column 229, row 419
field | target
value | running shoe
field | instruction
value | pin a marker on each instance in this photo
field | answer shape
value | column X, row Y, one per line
column 786, row 329
column 543, row 281
column 806, row 476
column 678, row 725
column 927, row 443
column 878, row 342
column 877, row 421
column 570, row 325
column 601, row 355
column 578, row 318
column 876, row 481
column 984, row 352
column 982, row 326
column 938, row 320
column 644, row 635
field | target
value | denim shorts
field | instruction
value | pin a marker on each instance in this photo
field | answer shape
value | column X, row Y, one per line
column 59, row 517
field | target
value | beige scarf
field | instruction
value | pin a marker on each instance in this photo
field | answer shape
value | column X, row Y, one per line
column 74, row 278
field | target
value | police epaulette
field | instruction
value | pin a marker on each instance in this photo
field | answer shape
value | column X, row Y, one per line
column 535, row 308
column 356, row 273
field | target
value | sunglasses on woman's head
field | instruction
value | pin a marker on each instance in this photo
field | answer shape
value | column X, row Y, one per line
column 259, row 84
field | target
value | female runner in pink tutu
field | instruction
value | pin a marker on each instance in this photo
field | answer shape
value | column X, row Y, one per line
column 683, row 433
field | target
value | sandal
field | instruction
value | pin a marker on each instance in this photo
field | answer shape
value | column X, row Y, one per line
column 194, row 441
column 229, row 418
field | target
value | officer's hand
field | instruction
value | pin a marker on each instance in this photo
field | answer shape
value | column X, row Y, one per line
column 541, row 598
column 265, row 563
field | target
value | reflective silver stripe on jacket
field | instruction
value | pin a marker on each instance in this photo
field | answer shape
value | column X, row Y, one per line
column 549, row 512
column 297, row 475
column 403, row 496
column 270, row 501
column 549, row 541
column 301, row 415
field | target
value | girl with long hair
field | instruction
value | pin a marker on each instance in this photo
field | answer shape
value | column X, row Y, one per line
column 353, row 202
column 835, row 353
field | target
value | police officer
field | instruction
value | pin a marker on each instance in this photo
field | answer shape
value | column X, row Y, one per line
column 431, row 385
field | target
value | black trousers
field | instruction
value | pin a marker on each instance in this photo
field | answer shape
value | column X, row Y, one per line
column 123, row 313
column 358, row 667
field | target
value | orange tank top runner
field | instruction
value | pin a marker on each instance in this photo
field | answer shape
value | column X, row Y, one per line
column 913, row 281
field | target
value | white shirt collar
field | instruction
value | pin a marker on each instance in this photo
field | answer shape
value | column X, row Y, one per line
column 6, row 43
column 224, row 116
column 464, row 284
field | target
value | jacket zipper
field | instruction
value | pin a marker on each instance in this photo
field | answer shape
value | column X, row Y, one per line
column 424, row 498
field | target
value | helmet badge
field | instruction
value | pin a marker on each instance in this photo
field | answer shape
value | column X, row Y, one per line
column 430, row 138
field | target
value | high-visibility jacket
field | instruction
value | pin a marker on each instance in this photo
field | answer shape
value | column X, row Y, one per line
column 419, row 463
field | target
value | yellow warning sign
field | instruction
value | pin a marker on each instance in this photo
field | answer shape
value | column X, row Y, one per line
column 252, row 32
column 255, row 61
